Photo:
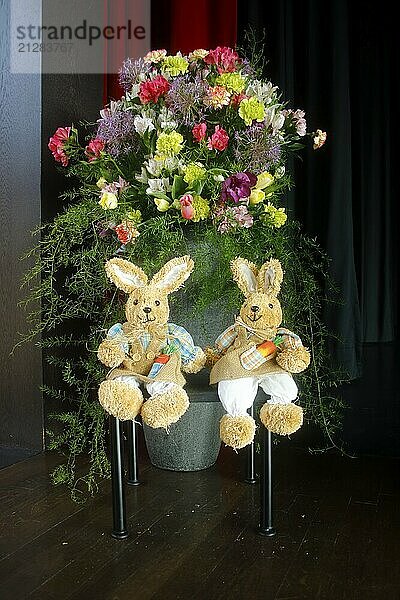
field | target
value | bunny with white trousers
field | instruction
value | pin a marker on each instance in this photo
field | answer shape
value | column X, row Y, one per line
column 256, row 351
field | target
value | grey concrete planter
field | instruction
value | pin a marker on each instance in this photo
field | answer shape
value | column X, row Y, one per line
column 193, row 443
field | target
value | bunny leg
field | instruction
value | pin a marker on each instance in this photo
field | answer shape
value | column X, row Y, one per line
column 278, row 414
column 121, row 397
column 237, row 428
column 167, row 403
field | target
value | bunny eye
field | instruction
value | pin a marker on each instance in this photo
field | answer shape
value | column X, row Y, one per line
column 271, row 305
column 157, row 303
column 135, row 302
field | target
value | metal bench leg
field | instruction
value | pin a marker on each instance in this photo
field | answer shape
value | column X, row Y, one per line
column 266, row 521
column 119, row 530
column 251, row 458
column 133, row 467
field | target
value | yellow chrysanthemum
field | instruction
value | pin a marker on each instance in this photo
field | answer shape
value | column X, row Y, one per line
column 175, row 65
column 169, row 144
column 201, row 209
column 234, row 82
column 274, row 217
column 134, row 215
column 251, row 109
column 193, row 172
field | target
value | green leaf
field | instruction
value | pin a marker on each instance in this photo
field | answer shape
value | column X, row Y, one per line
column 159, row 195
column 178, row 187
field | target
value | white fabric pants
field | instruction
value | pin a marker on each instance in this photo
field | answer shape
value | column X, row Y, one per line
column 237, row 395
column 155, row 387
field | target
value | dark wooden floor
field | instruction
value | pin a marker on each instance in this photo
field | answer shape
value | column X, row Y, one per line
column 193, row 534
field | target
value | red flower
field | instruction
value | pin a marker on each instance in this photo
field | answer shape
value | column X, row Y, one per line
column 150, row 91
column 219, row 139
column 237, row 98
column 56, row 145
column 199, row 131
column 224, row 58
column 126, row 232
column 94, row 148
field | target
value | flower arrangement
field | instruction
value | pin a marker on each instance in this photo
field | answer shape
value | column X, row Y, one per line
column 199, row 137
column 192, row 159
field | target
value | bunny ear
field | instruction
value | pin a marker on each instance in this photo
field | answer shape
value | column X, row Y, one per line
column 173, row 274
column 245, row 275
column 125, row 274
column 270, row 277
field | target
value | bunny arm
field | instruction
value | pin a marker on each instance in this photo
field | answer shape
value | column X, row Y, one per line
column 292, row 355
column 111, row 351
column 226, row 339
column 193, row 357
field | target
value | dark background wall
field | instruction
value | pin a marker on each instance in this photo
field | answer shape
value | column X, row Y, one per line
column 21, row 408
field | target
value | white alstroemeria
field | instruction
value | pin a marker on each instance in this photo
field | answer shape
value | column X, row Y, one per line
column 111, row 109
column 265, row 92
column 143, row 177
column 159, row 185
column 154, row 167
column 173, row 163
column 143, row 124
column 280, row 171
column 166, row 120
column 133, row 92
column 278, row 121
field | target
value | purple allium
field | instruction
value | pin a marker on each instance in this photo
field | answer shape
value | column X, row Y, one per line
column 118, row 132
column 130, row 72
column 238, row 186
column 185, row 99
column 256, row 148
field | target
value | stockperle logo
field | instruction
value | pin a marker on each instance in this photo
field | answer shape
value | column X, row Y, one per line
column 71, row 36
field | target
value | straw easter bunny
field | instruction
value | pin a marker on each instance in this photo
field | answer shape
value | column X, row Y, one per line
column 147, row 348
column 256, row 351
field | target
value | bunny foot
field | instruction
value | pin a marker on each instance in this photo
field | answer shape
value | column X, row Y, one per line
column 120, row 399
column 283, row 419
column 165, row 408
column 237, row 432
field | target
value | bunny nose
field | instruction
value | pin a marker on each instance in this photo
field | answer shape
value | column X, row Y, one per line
column 147, row 309
column 255, row 309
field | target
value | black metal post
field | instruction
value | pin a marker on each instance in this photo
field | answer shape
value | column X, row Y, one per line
column 119, row 530
column 266, row 522
column 133, row 467
column 251, row 458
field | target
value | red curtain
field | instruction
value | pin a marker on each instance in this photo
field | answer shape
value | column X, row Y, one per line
column 202, row 24
column 175, row 25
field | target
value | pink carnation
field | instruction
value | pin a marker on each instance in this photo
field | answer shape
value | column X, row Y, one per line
column 219, row 139
column 224, row 58
column 94, row 148
column 56, row 145
column 199, row 131
column 150, row 91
